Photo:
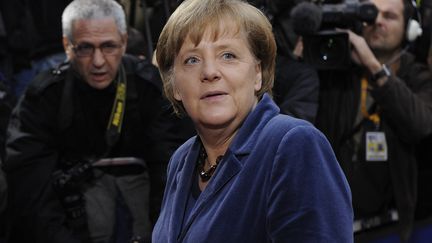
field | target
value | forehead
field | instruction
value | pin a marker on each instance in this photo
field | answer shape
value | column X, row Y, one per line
column 394, row 6
column 95, row 29
column 213, row 31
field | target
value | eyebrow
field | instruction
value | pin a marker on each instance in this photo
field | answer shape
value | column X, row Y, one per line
column 100, row 44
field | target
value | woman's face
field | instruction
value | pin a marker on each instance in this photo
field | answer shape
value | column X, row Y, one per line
column 217, row 79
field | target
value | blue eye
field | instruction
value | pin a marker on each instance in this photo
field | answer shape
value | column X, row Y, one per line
column 228, row 56
column 191, row 60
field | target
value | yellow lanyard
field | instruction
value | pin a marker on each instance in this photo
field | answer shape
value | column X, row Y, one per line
column 375, row 118
column 118, row 109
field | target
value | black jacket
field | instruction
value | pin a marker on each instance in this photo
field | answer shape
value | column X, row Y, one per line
column 296, row 88
column 405, row 104
column 6, row 105
column 59, row 120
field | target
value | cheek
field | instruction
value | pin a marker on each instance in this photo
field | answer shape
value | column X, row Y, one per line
column 183, row 90
column 80, row 66
column 180, row 84
column 402, row 35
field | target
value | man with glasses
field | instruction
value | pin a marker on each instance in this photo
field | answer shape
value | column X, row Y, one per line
column 80, row 135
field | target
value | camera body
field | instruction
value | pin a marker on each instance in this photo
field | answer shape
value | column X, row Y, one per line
column 328, row 48
column 70, row 181
column 68, row 184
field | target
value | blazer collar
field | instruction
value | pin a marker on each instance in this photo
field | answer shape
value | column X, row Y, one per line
column 248, row 134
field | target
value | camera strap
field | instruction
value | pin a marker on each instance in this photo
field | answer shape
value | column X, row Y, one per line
column 376, row 144
column 118, row 109
column 375, row 118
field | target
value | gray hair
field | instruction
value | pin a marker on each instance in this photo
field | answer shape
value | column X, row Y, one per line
column 92, row 9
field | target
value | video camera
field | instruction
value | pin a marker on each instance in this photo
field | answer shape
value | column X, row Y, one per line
column 323, row 46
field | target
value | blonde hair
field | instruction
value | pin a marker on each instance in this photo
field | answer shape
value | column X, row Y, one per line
column 193, row 17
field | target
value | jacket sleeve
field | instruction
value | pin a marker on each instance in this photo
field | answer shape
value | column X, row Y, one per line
column 309, row 198
column 31, row 156
column 406, row 103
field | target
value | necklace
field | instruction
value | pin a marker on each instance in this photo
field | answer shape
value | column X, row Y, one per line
column 206, row 174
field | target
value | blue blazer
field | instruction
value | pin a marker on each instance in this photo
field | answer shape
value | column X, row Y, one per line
column 279, row 181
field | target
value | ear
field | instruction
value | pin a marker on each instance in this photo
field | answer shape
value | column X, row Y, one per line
column 258, row 79
column 176, row 93
column 66, row 47
column 124, row 39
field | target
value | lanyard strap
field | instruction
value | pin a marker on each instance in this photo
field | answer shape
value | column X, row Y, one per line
column 116, row 119
column 375, row 118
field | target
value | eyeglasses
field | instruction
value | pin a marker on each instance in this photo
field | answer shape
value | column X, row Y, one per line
column 86, row 50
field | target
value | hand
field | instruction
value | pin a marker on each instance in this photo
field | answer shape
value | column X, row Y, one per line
column 298, row 49
column 361, row 53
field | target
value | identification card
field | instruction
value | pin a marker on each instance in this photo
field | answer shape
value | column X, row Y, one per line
column 376, row 146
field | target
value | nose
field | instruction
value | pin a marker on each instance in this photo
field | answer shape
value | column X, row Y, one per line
column 210, row 71
column 98, row 58
column 379, row 19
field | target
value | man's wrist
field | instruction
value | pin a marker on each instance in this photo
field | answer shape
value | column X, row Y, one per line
column 379, row 77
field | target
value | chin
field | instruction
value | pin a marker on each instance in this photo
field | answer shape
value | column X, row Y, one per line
column 217, row 120
column 99, row 85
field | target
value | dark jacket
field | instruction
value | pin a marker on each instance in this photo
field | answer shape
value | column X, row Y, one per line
column 296, row 88
column 3, row 201
column 6, row 105
column 61, row 120
column 7, row 102
column 279, row 181
column 405, row 108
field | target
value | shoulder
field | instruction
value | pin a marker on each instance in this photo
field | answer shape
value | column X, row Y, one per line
column 47, row 80
column 413, row 70
column 293, row 73
column 289, row 67
column 292, row 133
column 144, row 70
column 282, row 124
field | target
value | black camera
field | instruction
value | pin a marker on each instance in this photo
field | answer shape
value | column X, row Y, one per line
column 68, row 185
column 70, row 180
column 323, row 46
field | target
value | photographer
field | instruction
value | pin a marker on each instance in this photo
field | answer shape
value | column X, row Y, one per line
column 374, row 114
column 103, row 104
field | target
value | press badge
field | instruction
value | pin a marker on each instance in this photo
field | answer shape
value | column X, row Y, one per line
column 376, row 146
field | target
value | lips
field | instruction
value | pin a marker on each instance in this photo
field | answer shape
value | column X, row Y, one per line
column 98, row 76
column 212, row 94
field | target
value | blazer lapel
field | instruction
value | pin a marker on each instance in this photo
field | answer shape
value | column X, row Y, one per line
column 183, row 182
column 227, row 169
